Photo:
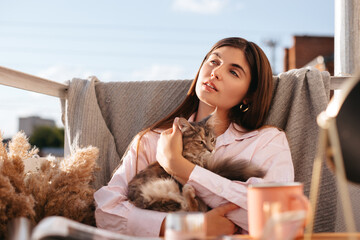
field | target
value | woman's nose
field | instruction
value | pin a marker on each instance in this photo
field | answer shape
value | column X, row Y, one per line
column 215, row 74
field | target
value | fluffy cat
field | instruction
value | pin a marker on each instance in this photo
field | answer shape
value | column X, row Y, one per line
column 153, row 188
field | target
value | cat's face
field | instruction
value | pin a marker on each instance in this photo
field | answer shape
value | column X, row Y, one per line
column 198, row 140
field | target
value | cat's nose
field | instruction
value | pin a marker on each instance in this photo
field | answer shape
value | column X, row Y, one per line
column 209, row 148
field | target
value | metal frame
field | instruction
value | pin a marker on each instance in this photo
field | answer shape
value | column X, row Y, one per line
column 329, row 140
column 13, row 78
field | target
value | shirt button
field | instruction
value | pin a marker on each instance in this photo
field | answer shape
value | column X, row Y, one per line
column 218, row 189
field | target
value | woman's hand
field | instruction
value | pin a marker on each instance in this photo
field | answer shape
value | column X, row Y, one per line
column 169, row 154
column 216, row 222
column 169, row 147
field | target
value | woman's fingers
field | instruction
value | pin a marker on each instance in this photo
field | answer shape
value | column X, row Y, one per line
column 228, row 207
column 217, row 223
column 175, row 128
column 176, row 124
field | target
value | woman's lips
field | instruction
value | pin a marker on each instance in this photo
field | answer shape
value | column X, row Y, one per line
column 210, row 85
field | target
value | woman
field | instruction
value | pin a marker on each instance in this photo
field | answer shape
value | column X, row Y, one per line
column 235, row 79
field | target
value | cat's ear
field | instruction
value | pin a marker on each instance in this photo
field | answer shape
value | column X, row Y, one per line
column 209, row 120
column 184, row 124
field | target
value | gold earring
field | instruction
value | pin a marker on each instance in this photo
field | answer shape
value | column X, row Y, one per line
column 244, row 107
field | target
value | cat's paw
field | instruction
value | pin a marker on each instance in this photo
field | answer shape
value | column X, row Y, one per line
column 188, row 190
column 189, row 195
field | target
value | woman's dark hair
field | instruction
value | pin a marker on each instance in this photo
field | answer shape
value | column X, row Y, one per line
column 258, row 95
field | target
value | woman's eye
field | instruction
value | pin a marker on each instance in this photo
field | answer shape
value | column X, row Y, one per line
column 213, row 62
column 234, row 73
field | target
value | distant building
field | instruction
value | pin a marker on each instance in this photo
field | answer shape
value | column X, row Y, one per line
column 28, row 124
column 310, row 51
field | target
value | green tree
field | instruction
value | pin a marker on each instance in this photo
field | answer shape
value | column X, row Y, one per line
column 45, row 136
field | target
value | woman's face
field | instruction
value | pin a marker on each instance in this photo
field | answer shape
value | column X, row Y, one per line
column 224, row 78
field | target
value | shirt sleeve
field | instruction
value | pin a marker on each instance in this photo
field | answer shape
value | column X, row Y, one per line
column 113, row 210
column 272, row 153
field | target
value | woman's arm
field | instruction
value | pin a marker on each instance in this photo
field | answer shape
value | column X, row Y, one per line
column 113, row 210
column 268, row 150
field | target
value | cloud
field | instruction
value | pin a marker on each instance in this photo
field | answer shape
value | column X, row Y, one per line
column 158, row 72
column 200, row 6
column 61, row 73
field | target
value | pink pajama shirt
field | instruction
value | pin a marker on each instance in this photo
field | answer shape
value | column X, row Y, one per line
column 267, row 148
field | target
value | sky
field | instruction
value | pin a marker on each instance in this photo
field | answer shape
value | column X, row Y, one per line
column 136, row 40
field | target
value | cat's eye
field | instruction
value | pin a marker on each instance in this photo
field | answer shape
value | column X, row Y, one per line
column 212, row 140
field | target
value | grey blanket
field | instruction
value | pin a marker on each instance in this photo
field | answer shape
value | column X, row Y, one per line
column 108, row 115
column 299, row 97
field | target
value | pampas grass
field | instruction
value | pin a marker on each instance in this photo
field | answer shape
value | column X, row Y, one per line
column 14, row 199
column 61, row 188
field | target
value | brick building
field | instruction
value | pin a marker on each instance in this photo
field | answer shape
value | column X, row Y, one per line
column 310, row 51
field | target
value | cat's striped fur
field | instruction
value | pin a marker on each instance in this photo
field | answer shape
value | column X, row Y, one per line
column 153, row 188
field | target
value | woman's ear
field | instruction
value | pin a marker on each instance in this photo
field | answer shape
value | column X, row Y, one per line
column 247, row 100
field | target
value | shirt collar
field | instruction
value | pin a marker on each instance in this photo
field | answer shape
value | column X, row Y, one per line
column 234, row 133
column 192, row 117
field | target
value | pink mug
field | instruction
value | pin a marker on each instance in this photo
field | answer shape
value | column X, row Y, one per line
column 281, row 203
